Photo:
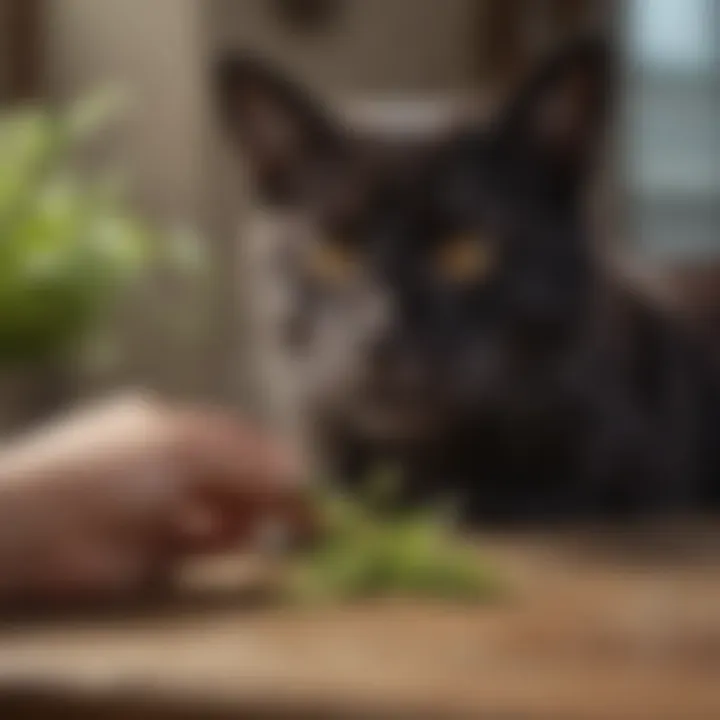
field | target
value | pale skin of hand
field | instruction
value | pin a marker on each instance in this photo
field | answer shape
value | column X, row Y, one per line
column 110, row 500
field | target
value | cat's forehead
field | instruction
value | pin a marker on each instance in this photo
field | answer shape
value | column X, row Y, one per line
column 440, row 173
column 439, row 181
column 409, row 152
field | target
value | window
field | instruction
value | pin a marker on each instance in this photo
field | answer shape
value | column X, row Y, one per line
column 671, row 135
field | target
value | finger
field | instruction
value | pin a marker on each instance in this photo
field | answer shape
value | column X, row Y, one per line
column 202, row 527
column 214, row 524
column 231, row 462
column 89, row 571
column 237, row 456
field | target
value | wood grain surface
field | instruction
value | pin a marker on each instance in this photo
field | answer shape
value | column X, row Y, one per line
column 596, row 626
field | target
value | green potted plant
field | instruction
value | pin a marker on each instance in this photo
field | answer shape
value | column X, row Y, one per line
column 69, row 247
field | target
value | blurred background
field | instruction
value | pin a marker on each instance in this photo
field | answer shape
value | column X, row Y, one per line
column 121, row 214
column 180, row 172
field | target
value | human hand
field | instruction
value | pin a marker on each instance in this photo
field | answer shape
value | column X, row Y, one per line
column 115, row 496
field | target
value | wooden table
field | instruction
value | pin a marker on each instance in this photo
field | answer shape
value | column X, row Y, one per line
column 597, row 627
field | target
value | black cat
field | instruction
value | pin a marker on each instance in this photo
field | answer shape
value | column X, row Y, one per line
column 445, row 307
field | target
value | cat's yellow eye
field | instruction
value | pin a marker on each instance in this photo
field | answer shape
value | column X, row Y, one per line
column 334, row 263
column 466, row 259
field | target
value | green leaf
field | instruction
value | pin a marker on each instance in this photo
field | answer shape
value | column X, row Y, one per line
column 370, row 552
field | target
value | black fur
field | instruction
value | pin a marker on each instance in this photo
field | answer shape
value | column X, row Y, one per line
column 551, row 390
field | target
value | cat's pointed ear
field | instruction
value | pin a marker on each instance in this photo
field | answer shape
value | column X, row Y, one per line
column 561, row 111
column 284, row 134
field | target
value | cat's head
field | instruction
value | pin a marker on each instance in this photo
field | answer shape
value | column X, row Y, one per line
column 430, row 279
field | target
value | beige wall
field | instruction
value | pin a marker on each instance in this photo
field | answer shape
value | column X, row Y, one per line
column 152, row 50
column 375, row 45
